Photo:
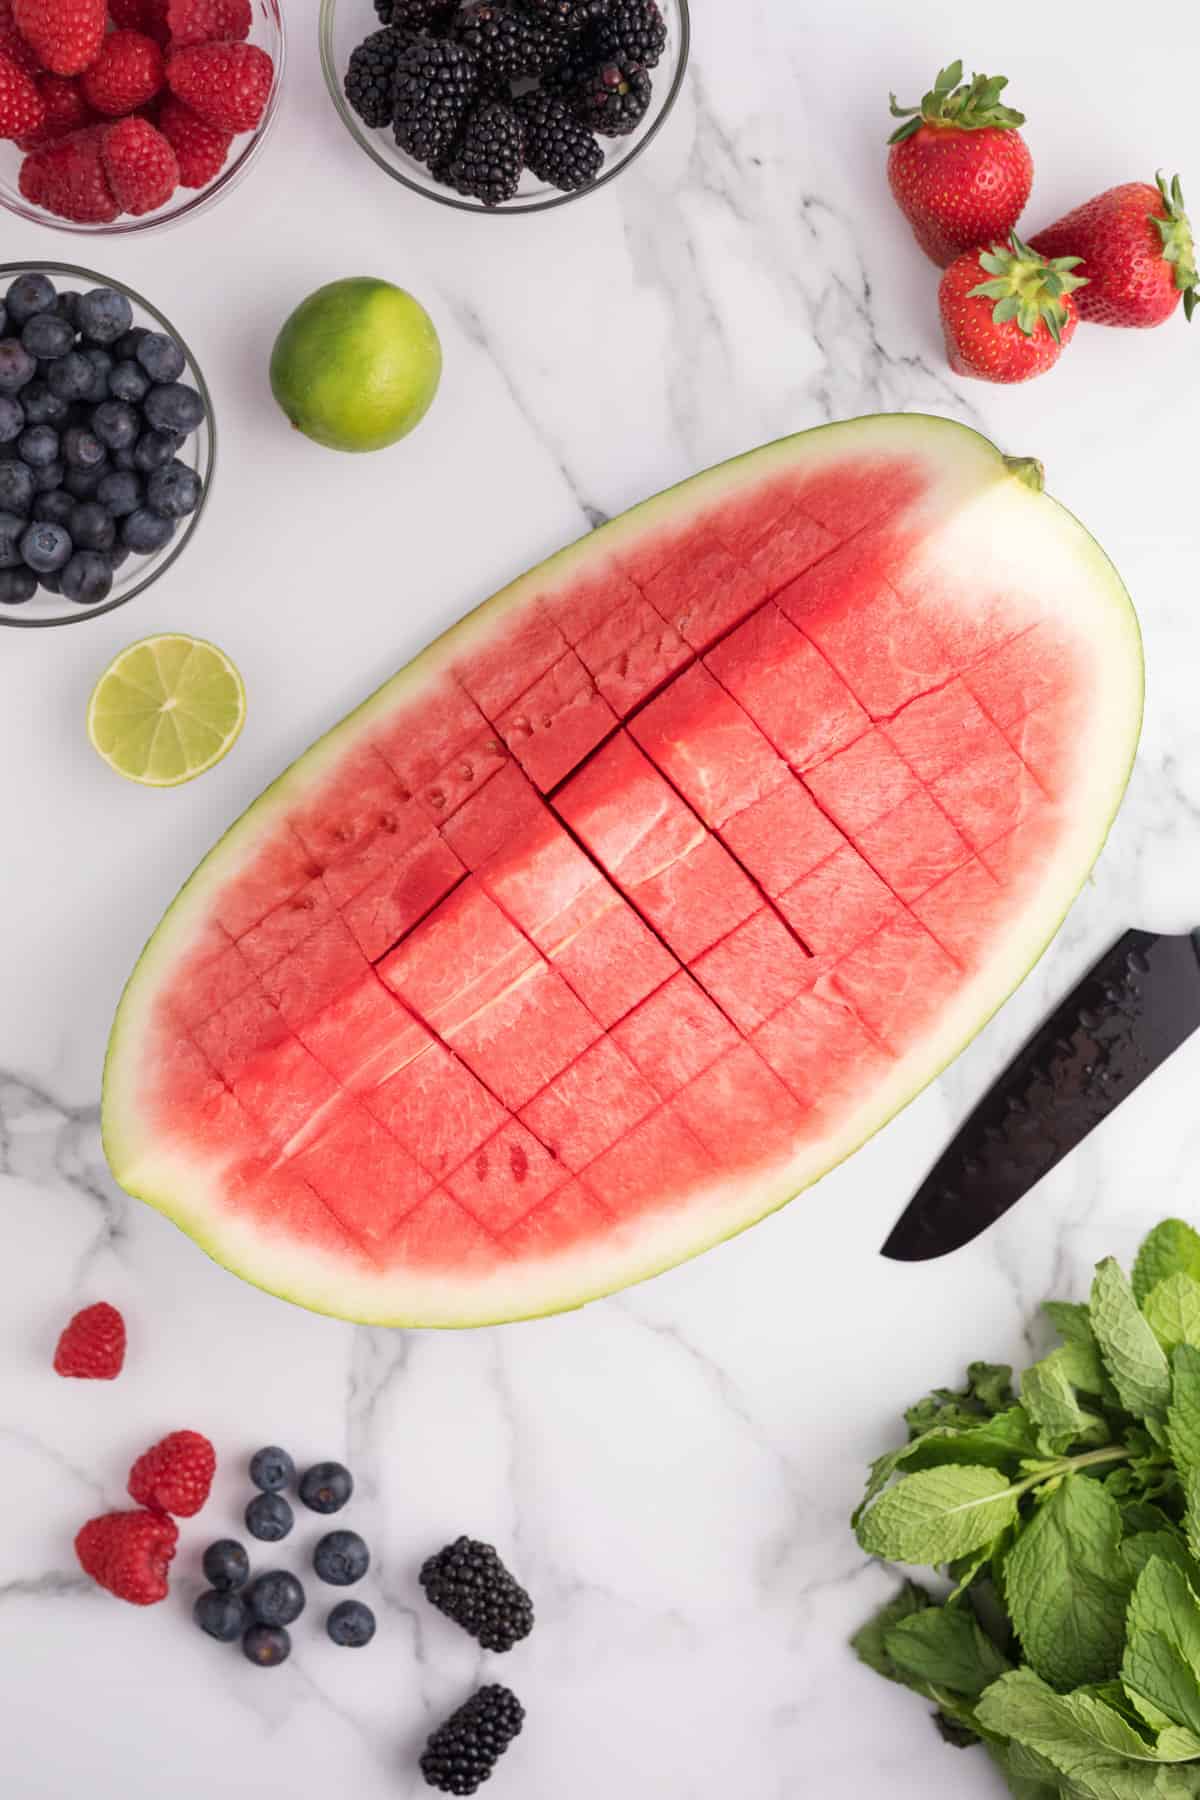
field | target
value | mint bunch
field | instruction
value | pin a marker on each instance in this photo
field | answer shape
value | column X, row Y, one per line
column 1066, row 1515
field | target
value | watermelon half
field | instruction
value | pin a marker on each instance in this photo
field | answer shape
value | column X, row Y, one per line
column 645, row 894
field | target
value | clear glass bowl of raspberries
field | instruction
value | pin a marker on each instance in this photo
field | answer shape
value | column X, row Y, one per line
column 505, row 106
column 127, row 115
column 107, row 444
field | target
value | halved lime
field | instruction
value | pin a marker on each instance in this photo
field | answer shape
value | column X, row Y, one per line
column 166, row 709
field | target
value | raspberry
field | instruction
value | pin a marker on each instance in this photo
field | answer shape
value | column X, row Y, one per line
column 22, row 109
column 65, row 34
column 227, row 84
column 141, row 167
column 148, row 16
column 128, row 1553
column 175, row 1474
column 92, row 1345
column 206, row 21
column 127, row 74
column 68, row 179
column 65, row 110
column 200, row 149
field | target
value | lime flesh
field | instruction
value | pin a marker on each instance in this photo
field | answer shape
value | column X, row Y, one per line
column 166, row 709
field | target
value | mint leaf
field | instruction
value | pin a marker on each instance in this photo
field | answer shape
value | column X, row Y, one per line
column 998, row 1443
column 938, row 1514
column 1172, row 1311
column 1161, row 1664
column 1183, row 1414
column 944, row 1647
column 1075, row 1732
column 1074, row 1327
column 1191, row 1513
column 988, row 1391
column 1029, row 1776
column 1137, row 1550
column 869, row 1643
column 1172, row 1248
column 1048, row 1396
column 1066, row 1586
column 1132, row 1354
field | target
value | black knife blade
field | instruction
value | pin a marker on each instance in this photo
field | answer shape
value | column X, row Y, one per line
column 1130, row 1012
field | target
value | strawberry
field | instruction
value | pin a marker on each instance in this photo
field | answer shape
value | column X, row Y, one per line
column 22, row 109
column 65, row 34
column 68, row 179
column 959, row 169
column 1015, row 325
column 129, row 1553
column 175, row 1474
column 206, row 21
column 127, row 74
column 200, row 149
column 65, row 110
column 1136, row 245
column 148, row 16
column 227, row 84
column 92, row 1345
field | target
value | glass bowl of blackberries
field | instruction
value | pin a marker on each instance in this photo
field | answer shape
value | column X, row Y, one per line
column 107, row 444
column 504, row 105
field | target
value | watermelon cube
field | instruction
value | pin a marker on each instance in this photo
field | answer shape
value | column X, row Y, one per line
column 439, row 1238
column 437, row 1109
column 365, row 1035
column 191, row 1097
column 506, row 1178
column 287, row 1092
column 613, row 962
column 569, row 1217
column 588, row 599
column 659, row 1163
column 939, row 731
column 556, row 723
column 488, row 821
column 286, row 926
column 590, row 1105
column 754, row 971
column 632, row 654
column 839, row 904
column 782, row 838
column 525, row 1036
column 740, row 1085
column 395, row 841
column 862, row 783
column 881, row 647
column 238, row 1032
column 771, row 535
column 1023, row 674
column 847, row 496
column 501, row 665
column 898, row 982
column 286, row 1209
column 349, row 807
column 387, row 1181
column 793, row 695
column 464, row 955
column 546, row 884
column 913, row 847
column 398, row 899
column 697, row 900
column 276, row 871
column 674, row 1035
column 418, row 740
column 964, row 912
column 990, row 795
column 465, row 775
column 315, row 974
column 214, row 973
column 1048, row 741
column 626, row 815
column 707, row 747
column 822, row 1051
column 704, row 591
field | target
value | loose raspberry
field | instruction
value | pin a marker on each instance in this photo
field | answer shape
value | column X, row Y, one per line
column 92, row 1345
column 175, row 1475
column 22, row 108
column 66, row 34
column 200, row 149
column 67, row 178
column 227, row 84
column 66, row 110
column 127, row 74
column 129, row 1553
column 149, row 16
column 207, row 21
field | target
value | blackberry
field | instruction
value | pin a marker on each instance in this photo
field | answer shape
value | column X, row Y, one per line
column 468, row 1582
column 371, row 77
column 462, row 1753
column 573, row 14
column 630, row 31
column 435, row 16
column 613, row 99
column 557, row 147
column 435, row 85
column 508, row 43
column 487, row 160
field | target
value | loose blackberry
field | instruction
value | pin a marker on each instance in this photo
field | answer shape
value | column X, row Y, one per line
column 462, row 1753
column 613, row 99
column 509, row 42
column 468, row 1582
column 487, row 160
column 630, row 31
column 557, row 147
column 435, row 85
column 371, row 76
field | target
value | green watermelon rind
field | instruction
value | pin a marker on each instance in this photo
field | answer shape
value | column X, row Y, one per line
column 974, row 466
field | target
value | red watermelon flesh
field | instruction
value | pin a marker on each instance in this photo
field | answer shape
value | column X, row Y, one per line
column 643, row 896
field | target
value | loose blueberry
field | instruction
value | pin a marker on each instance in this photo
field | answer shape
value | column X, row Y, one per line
column 29, row 294
column 104, row 315
column 351, row 1623
column 46, row 336
column 222, row 1615
column 174, row 491
column 12, row 529
column 46, row 548
column 119, row 493
column 54, row 508
column 87, row 578
column 17, row 586
column 102, row 365
column 91, row 527
column 38, row 446
column 17, row 367
column 12, row 419
column 82, row 448
column 226, row 1565
column 128, row 381
column 326, row 1487
column 268, row 1516
column 50, row 476
column 341, row 1558
column 271, row 1469
column 161, row 357
column 276, row 1598
column 41, row 407
column 146, row 532
column 116, row 425
column 154, row 449
column 81, row 484
column 16, row 487
column 174, row 407
column 267, row 1645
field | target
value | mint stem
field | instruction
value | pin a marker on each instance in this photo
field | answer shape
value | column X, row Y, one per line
column 1065, row 1465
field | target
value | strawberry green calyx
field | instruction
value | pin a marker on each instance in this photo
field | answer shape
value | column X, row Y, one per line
column 1026, row 287
column 1178, row 245
column 967, row 105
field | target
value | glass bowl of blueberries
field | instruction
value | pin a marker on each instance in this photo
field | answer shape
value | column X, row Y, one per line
column 504, row 106
column 107, row 444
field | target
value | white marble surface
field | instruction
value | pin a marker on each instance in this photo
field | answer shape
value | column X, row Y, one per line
column 672, row 1469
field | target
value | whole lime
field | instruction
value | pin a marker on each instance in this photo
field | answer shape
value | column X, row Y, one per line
column 357, row 364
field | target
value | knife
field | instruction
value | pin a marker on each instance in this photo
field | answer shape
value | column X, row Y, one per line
column 1128, row 1014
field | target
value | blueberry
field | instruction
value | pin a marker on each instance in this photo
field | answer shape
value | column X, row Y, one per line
column 223, row 1616
column 67, row 306
column 87, row 578
column 226, row 1565
column 351, row 1623
column 120, row 553
column 38, row 446
column 116, row 425
column 119, row 493
column 101, row 366
column 154, row 449
column 17, row 586
column 145, row 532
column 271, row 1469
column 71, row 377
column 12, row 529
column 123, row 459
column 49, row 478
column 3, row 320
column 16, row 487
column 91, row 527
column 81, row 484
column 128, row 381
column 326, row 1487
column 12, row 418
column 29, row 294
column 82, row 448
column 46, row 548
column 268, row 1516
column 104, row 315
column 174, row 407
column 47, row 336
column 161, row 357
column 126, row 347
column 174, row 491
column 17, row 367
column 276, row 1598
column 267, row 1645
column 341, row 1558
column 41, row 407
column 54, row 508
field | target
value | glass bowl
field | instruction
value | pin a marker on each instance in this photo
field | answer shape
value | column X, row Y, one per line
column 345, row 23
column 199, row 452
column 267, row 31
